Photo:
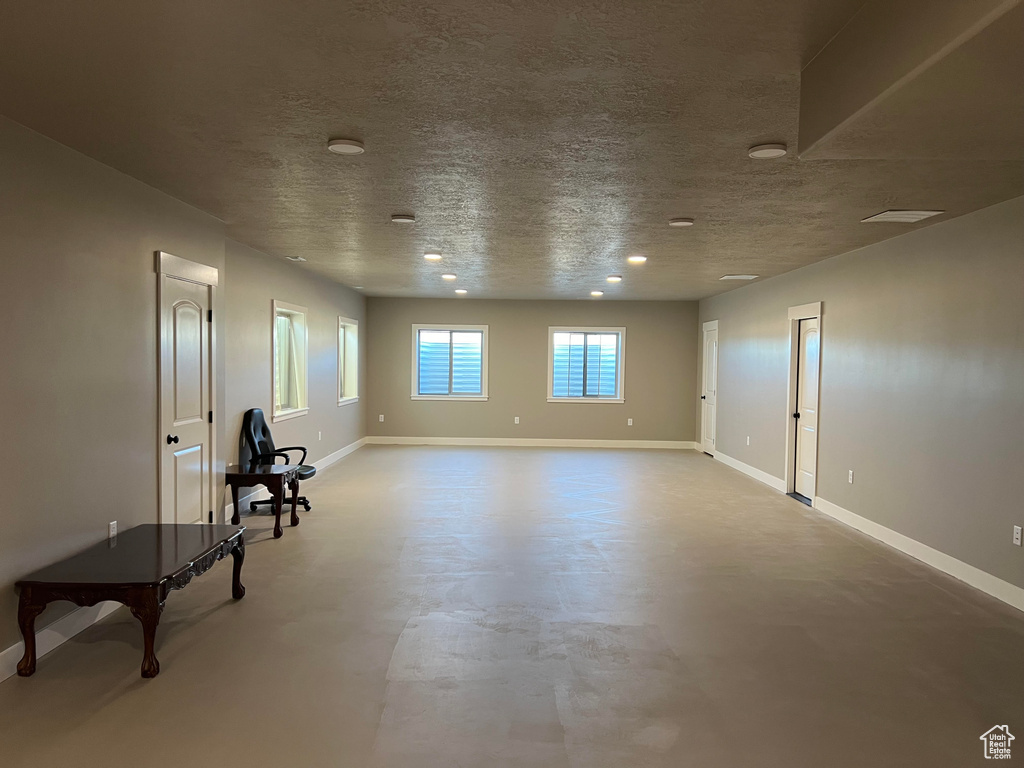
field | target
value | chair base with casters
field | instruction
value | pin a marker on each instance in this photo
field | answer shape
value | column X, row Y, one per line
column 257, row 446
column 255, row 505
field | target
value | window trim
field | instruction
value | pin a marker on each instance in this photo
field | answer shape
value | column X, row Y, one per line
column 344, row 323
column 291, row 413
column 416, row 328
column 620, row 373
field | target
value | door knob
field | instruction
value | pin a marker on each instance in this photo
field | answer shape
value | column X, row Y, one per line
column 702, row 397
column 172, row 439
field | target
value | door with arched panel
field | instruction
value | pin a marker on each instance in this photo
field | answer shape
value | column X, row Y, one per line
column 806, row 415
column 185, row 444
column 709, row 388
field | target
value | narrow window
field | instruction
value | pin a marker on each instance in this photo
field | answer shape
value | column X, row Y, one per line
column 348, row 361
column 289, row 358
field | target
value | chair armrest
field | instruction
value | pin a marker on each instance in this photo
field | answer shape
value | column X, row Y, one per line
column 259, row 457
column 295, row 448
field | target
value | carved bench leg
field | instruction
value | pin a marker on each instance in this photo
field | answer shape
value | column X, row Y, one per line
column 28, row 609
column 238, row 553
column 278, row 503
column 145, row 607
column 294, row 486
column 234, row 503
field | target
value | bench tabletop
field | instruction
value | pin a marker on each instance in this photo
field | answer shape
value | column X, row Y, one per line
column 143, row 555
column 260, row 469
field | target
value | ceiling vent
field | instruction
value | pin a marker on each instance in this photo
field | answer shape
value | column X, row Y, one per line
column 900, row 217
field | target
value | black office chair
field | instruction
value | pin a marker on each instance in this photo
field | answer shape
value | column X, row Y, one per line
column 257, row 445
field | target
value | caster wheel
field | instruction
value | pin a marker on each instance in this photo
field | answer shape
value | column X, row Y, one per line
column 253, row 507
column 307, row 507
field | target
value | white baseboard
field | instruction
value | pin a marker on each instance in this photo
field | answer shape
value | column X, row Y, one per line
column 261, row 494
column 977, row 578
column 531, row 442
column 57, row 633
column 770, row 480
column 339, row 454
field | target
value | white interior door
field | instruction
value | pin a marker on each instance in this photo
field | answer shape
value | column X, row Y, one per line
column 185, row 435
column 806, row 416
column 709, row 387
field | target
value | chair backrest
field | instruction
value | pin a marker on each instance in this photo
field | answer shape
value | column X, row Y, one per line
column 255, row 438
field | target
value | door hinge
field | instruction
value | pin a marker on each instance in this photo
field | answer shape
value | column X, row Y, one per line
column 210, row 416
column 209, row 315
column 211, row 515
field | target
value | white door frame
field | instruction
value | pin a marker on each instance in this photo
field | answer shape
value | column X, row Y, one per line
column 711, row 325
column 796, row 314
column 170, row 266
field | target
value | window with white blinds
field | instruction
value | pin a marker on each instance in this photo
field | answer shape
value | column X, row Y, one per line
column 449, row 362
column 585, row 364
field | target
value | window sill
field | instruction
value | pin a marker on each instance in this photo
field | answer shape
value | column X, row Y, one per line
column 347, row 401
column 618, row 400
column 293, row 414
column 457, row 398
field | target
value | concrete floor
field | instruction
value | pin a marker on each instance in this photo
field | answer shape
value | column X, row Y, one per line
column 523, row 607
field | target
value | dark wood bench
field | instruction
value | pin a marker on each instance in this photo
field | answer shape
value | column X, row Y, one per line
column 273, row 477
column 137, row 568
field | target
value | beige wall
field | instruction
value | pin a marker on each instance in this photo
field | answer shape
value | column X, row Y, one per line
column 254, row 281
column 78, row 351
column 660, row 377
column 922, row 382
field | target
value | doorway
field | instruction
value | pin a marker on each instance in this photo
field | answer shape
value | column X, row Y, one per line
column 709, row 388
column 805, row 378
column 186, row 390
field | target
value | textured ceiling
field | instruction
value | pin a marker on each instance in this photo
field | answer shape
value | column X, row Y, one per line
column 538, row 143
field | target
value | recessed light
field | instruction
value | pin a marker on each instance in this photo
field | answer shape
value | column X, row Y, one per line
column 738, row 277
column 597, row 293
column 614, row 278
column 294, row 258
column 767, row 151
column 448, row 277
column 346, row 147
column 900, row 217
column 680, row 222
column 432, row 256
column 636, row 259
column 403, row 218
column 461, row 291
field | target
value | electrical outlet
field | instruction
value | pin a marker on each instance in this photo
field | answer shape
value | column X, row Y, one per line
column 849, row 479
column 1016, row 535
column 748, row 439
column 517, row 419
column 112, row 529
column 381, row 418
column 629, row 422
